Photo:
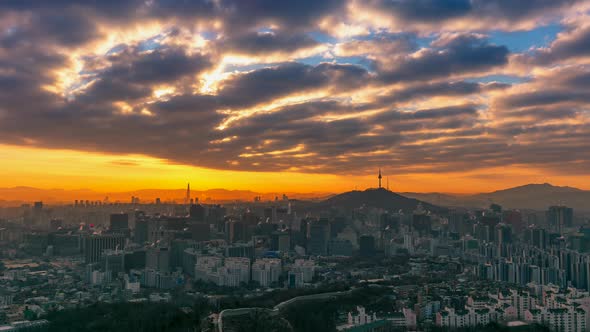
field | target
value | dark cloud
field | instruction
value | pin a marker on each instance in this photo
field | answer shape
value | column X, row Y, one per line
column 437, row 11
column 427, row 114
column 129, row 73
column 158, row 66
column 261, row 43
column 90, row 8
column 69, row 29
column 66, row 28
column 562, row 87
column 427, row 90
column 289, row 14
column 268, row 83
column 453, row 56
column 424, row 10
column 515, row 10
column 532, row 99
column 537, row 122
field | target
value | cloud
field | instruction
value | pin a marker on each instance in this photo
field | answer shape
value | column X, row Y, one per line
column 261, row 43
column 270, row 85
column 459, row 15
column 132, row 73
column 272, row 82
column 571, row 45
column 454, row 55
column 424, row 10
column 429, row 90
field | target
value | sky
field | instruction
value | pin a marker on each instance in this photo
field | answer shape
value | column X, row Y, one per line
column 450, row 96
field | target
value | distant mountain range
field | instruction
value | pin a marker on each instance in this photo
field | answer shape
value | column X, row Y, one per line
column 18, row 195
column 530, row 196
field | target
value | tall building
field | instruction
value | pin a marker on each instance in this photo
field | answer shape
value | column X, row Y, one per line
column 177, row 248
column 197, row 212
column 503, row 234
column 206, row 268
column 187, row 199
column 240, row 250
column 514, row 219
column 119, row 222
column 306, row 269
column 94, row 245
column 319, row 232
column 236, row 271
column 199, row 231
column 559, row 217
column 367, row 245
column 235, row 231
column 114, row 262
column 538, row 237
column 141, row 231
column 37, row 218
column 158, row 259
column 66, row 244
column 215, row 214
column 280, row 241
column 421, row 224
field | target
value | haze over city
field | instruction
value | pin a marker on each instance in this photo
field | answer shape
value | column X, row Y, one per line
column 294, row 166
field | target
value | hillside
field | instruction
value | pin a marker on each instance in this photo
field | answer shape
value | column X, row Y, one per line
column 530, row 196
column 376, row 198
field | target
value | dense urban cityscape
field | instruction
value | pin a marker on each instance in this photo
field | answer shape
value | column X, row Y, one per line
column 367, row 260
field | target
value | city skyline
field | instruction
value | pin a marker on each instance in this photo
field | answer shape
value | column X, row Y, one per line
column 294, row 165
column 445, row 96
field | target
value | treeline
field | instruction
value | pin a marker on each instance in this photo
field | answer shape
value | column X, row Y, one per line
column 127, row 317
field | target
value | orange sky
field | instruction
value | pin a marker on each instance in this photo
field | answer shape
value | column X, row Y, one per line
column 67, row 169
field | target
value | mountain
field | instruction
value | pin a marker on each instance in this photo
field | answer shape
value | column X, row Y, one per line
column 530, row 196
column 376, row 198
column 531, row 189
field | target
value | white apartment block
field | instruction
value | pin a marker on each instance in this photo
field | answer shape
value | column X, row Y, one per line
column 266, row 271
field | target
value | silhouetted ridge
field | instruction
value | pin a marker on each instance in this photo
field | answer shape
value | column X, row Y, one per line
column 376, row 198
column 536, row 196
column 536, row 188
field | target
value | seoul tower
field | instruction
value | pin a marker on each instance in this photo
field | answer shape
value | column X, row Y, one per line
column 379, row 177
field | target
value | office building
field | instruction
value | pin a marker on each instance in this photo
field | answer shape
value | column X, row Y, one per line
column 119, row 222
column 560, row 217
column 319, row 239
column 94, row 245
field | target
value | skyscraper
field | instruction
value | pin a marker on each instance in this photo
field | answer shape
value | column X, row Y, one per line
column 119, row 222
column 367, row 245
column 559, row 217
column 197, row 212
column 319, row 232
column 95, row 245
column 187, row 199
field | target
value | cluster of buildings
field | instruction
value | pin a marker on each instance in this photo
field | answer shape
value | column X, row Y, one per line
column 363, row 321
column 543, row 305
column 137, row 252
